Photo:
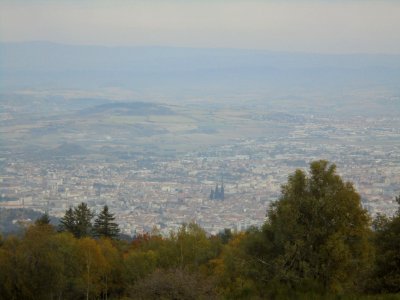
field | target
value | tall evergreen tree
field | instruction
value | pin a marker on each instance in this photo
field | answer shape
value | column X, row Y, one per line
column 83, row 220
column 104, row 225
column 67, row 223
column 77, row 220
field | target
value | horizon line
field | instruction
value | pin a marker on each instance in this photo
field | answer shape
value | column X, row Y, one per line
column 260, row 50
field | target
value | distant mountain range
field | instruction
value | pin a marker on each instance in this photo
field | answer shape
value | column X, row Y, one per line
column 50, row 65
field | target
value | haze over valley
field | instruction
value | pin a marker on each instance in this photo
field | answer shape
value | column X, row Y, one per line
column 150, row 131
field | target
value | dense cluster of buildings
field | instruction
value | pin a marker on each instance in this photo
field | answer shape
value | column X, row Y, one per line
column 150, row 192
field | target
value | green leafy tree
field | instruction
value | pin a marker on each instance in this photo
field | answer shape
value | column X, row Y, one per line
column 234, row 269
column 192, row 245
column 165, row 249
column 104, row 225
column 93, row 268
column 66, row 247
column 38, row 264
column 386, row 277
column 139, row 264
column 316, row 236
column 9, row 276
column 112, row 278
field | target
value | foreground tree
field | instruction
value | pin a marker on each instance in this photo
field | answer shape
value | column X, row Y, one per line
column 93, row 268
column 386, row 276
column 104, row 225
column 112, row 278
column 236, row 270
column 39, row 264
column 192, row 246
column 316, row 236
column 9, row 275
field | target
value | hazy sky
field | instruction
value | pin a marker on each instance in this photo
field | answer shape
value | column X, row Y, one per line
column 329, row 26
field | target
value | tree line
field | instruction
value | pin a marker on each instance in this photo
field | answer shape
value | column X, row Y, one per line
column 317, row 243
column 78, row 221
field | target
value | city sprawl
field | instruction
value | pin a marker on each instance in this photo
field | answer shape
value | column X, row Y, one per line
column 163, row 178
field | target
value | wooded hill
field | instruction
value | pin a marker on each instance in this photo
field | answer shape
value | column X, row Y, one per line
column 317, row 243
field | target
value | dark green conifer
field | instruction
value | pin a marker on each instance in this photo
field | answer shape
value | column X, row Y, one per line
column 67, row 223
column 104, row 225
column 77, row 221
column 83, row 220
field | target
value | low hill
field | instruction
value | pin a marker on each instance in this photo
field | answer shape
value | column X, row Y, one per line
column 12, row 221
column 128, row 109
